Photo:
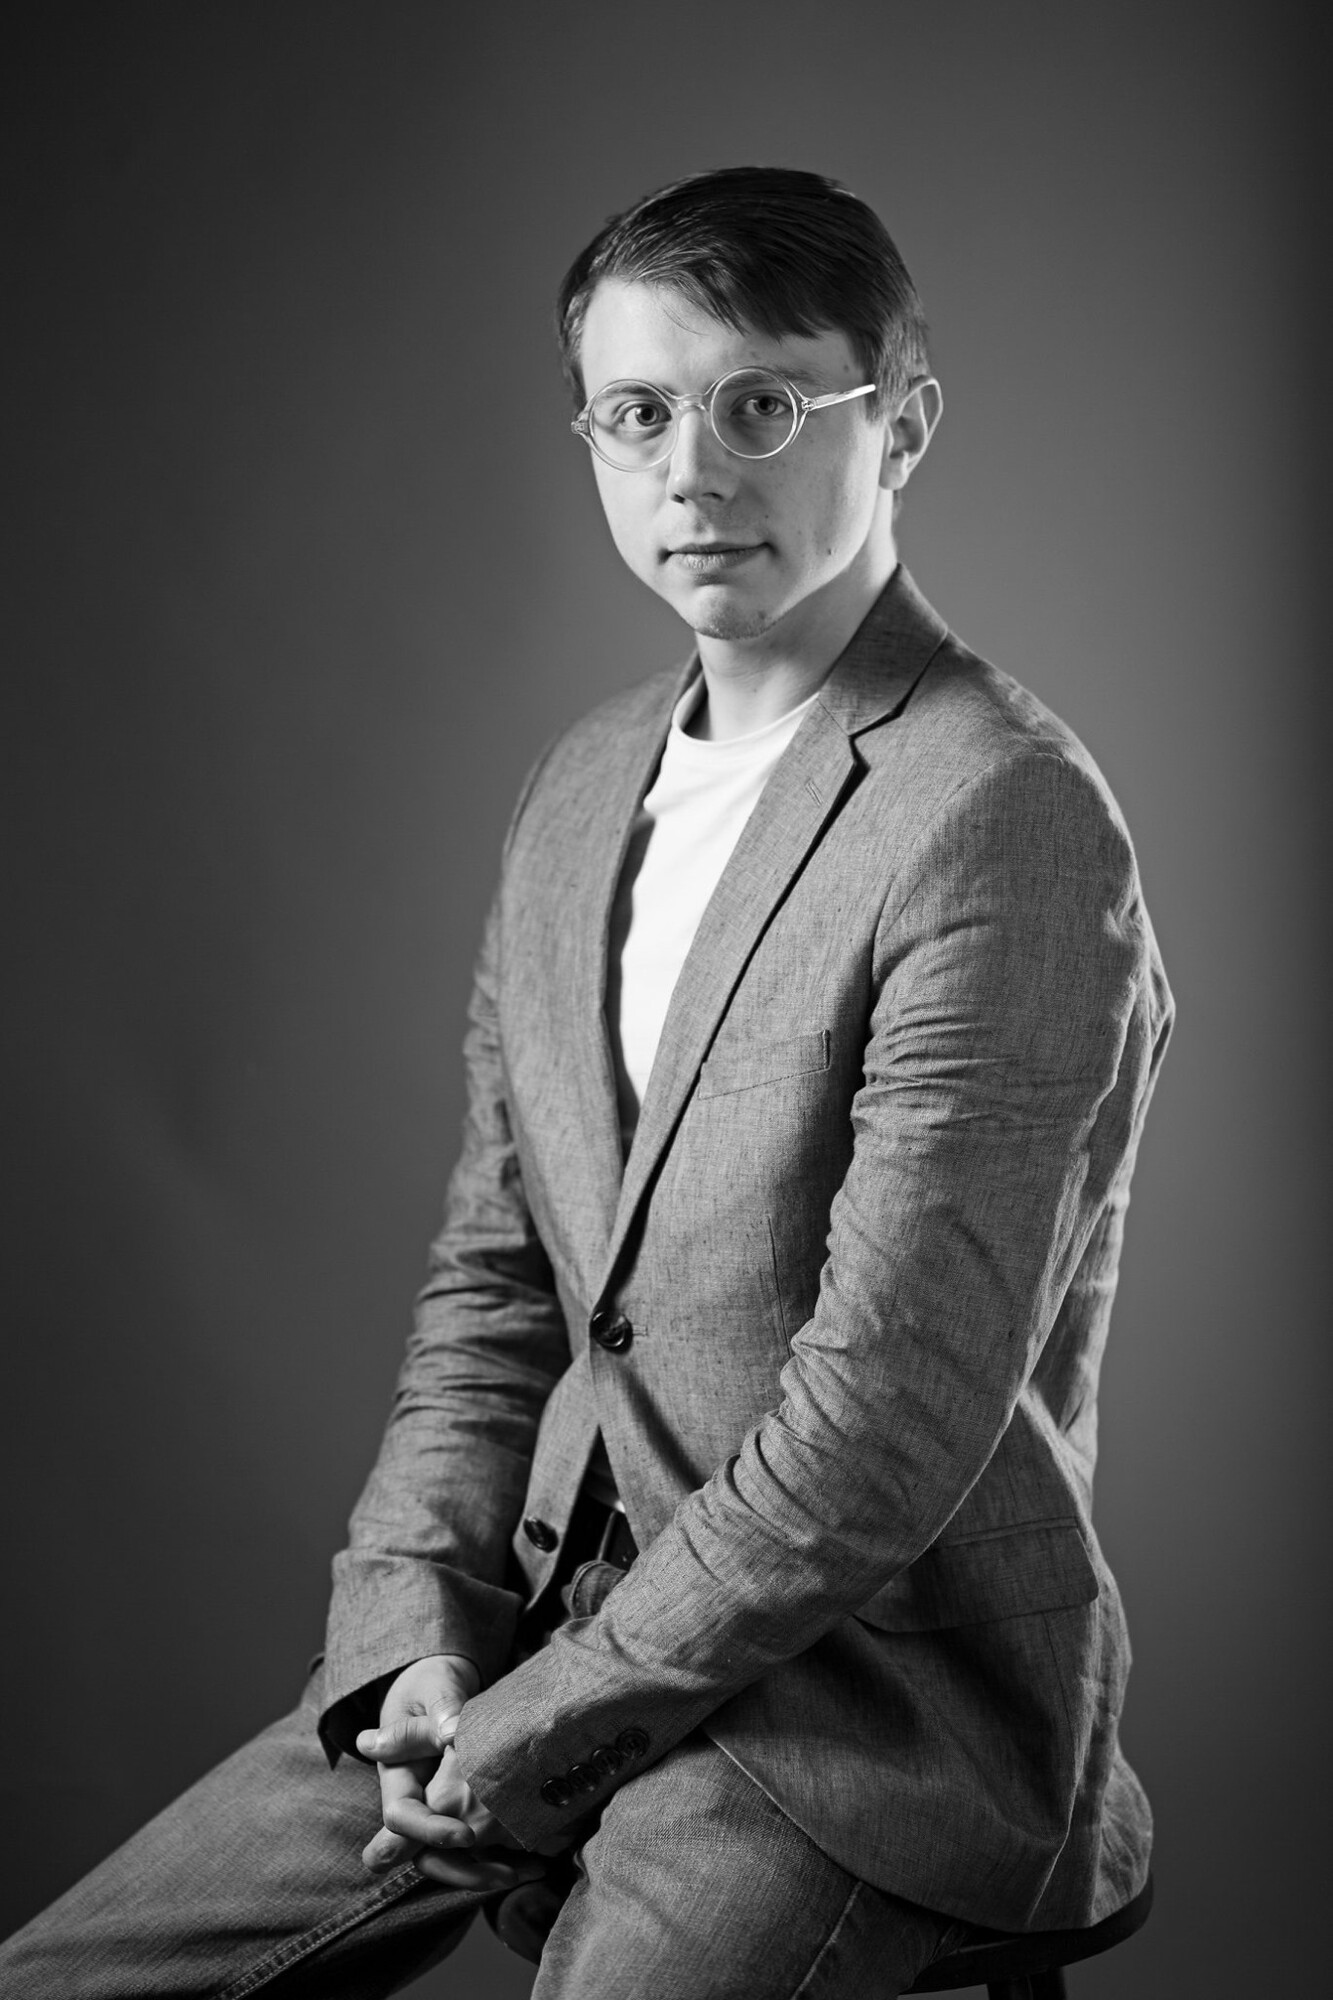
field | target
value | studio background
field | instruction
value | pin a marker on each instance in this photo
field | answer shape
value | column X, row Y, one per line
column 305, row 568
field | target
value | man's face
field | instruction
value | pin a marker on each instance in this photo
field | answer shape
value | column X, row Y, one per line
column 739, row 547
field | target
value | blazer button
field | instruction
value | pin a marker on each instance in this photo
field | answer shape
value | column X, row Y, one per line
column 632, row 1742
column 557, row 1791
column 541, row 1534
column 583, row 1777
column 610, row 1330
column 606, row 1759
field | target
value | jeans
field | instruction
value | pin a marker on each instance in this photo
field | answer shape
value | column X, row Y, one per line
column 692, row 1886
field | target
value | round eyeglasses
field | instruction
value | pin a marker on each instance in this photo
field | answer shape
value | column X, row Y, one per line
column 753, row 413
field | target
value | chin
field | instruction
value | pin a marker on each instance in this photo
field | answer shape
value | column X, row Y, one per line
column 727, row 621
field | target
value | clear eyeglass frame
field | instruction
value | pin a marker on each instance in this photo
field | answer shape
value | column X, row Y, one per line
column 706, row 403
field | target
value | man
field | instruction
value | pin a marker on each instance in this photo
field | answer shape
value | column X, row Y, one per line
column 729, row 1548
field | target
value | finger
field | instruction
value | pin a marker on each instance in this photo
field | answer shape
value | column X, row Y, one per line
column 404, row 1781
column 410, row 1738
column 471, row 1871
column 490, row 1831
column 387, row 1850
column 414, row 1820
column 448, row 1791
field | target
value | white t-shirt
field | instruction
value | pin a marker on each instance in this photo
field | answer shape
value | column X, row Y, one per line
column 687, row 826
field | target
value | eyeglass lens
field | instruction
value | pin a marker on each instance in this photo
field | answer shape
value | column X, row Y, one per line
column 754, row 414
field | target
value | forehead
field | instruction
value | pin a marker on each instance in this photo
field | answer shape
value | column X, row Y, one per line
column 653, row 333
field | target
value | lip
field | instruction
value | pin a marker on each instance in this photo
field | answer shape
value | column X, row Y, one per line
column 713, row 555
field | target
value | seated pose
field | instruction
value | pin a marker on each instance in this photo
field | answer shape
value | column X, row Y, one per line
column 728, row 1559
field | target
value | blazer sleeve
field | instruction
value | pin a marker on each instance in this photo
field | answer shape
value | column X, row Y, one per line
column 1014, row 1020
column 425, row 1569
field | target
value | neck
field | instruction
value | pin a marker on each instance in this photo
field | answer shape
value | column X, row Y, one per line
column 751, row 682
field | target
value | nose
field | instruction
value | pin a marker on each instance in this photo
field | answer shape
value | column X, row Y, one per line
column 700, row 465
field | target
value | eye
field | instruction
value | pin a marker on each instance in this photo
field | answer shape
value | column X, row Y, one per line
column 643, row 416
column 756, row 400
column 754, row 414
column 634, row 415
column 764, row 405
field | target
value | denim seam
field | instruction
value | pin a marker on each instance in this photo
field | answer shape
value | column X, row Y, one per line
column 828, row 1944
column 290, row 1953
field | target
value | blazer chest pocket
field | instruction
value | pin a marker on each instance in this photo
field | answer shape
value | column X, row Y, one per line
column 745, row 1065
column 1044, row 1566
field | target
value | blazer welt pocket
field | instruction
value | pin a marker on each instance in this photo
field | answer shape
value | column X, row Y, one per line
column 1043, row 1566
column 743, row 1066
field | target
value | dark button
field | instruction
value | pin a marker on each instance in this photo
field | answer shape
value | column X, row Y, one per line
column 610, row 1330
column 583, row 1777
column 540, row 1533
column 557, row 1791
column 606, row 1759
column 632, row 1742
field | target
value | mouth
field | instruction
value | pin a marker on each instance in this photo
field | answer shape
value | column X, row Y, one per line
column 705, row 557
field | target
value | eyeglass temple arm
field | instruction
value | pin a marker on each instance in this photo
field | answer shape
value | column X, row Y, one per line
column 809, row 403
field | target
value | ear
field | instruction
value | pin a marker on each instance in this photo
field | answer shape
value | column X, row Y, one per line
column 906, row 438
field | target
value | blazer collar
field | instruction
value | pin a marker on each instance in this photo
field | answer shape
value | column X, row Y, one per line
column 870, row 682
column 886, row 657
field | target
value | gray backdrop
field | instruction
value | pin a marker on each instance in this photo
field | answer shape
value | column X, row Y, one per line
column 305, row 568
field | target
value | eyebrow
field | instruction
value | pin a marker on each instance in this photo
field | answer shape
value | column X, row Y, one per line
column 805, row 379
column 802, row 378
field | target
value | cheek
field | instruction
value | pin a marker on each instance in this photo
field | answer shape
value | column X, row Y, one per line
column 831, row 513
column 629, row 516
column 857, row 498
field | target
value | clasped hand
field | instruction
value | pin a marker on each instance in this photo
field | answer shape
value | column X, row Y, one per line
column 432, row 1816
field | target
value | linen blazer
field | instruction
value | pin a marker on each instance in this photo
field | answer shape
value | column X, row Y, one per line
column 863, row 1248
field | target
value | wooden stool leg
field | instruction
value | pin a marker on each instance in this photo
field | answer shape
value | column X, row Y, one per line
column 1049, row 1985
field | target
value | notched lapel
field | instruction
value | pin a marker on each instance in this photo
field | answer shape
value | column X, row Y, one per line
column 795, row 805
column 616, row 784
column 871, row 681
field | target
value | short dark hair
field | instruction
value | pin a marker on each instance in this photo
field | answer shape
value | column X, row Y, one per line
column 767, row 247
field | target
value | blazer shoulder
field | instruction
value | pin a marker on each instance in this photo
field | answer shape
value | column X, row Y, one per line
column 966, row 721
column 981, row 706
column 585, row 751
column 983, row 766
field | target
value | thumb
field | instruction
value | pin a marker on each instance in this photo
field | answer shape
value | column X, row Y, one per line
column 410, row 1738
column 444, row 1719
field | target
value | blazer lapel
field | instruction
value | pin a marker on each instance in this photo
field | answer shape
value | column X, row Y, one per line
column 870, row 681
column 610, row 804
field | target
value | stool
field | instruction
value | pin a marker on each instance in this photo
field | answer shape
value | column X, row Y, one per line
column 1028, row 1967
